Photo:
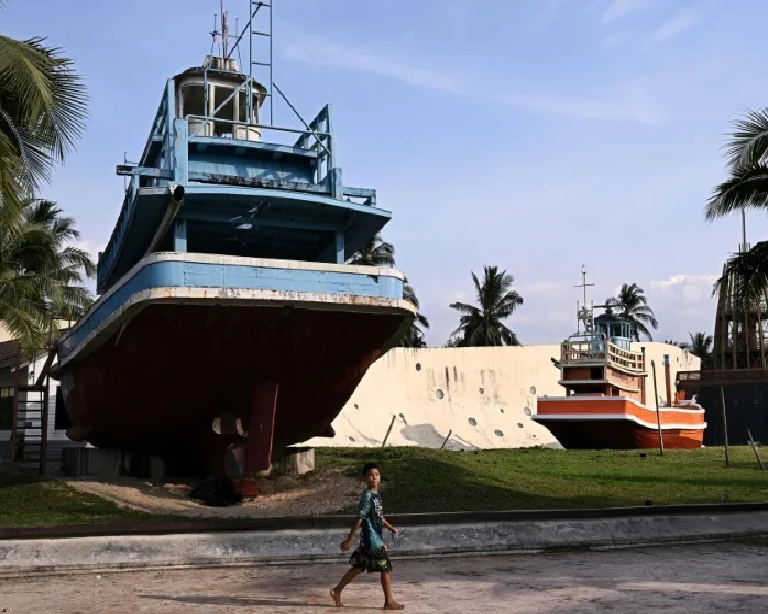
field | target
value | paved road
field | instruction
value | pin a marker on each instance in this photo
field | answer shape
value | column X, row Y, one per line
column 729, row 578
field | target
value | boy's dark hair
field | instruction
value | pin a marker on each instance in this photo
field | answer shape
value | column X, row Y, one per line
column 368, row 467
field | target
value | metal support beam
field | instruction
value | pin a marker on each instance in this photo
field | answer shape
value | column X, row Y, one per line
column 181, row 152
column 339, row 247
column 180, row 235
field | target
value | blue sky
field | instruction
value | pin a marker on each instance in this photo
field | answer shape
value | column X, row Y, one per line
column 537, row 135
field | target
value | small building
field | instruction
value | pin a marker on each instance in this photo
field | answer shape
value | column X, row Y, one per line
column 21, row 378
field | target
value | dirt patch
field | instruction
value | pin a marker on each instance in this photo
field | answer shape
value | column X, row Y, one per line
column 325, row 491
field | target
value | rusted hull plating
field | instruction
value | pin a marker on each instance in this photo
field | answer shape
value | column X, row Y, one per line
column 158, row 385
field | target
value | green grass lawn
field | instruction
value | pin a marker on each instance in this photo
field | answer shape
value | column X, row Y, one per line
column 28, row 501
column 423, row 480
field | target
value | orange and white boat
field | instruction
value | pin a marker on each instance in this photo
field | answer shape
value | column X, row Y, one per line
column 605, row 402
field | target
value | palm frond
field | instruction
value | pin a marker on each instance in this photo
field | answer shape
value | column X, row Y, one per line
column 745, row 275
column 749, row 141
column 747, row 187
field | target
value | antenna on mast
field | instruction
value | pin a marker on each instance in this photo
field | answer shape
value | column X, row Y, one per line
column 224, row 31
column 215, row 32
column 584, row 315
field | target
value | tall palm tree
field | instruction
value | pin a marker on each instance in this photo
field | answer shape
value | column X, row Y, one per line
column 634, row 307
column 42, row 113
column 376, row 252
column 745, row 187
column 484, row 325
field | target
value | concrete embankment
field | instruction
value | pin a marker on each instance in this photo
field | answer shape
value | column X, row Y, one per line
column 426, row 536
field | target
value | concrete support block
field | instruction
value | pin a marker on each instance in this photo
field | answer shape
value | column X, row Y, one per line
column 297, row 461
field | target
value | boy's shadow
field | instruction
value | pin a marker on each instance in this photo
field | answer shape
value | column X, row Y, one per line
column 242, row 601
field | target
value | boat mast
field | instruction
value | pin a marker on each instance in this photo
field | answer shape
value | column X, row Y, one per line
column 584, row 315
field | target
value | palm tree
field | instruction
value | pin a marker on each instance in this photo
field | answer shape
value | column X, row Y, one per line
column 376, row 252
column 38, row 273
column 414, row 336
column 701, row 346
column 634, row 307
column 68, row 295
column 483, row 326
column 42, row 113
column 745, row 187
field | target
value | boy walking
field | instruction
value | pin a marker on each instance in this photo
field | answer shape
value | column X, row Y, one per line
column 371, row 555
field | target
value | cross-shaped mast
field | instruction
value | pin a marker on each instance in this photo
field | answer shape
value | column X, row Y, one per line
column 584, row 314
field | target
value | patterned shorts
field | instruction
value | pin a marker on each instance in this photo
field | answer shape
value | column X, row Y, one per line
column 371, row 561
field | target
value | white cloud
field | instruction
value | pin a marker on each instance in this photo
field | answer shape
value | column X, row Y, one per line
column 621, row 8
column 628, row 103
column 684, row 20
column 681, row 281
column 321, row 53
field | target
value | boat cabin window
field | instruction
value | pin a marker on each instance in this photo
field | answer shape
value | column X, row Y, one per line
column 244, row 108
column 225, row 112
column 194, row 100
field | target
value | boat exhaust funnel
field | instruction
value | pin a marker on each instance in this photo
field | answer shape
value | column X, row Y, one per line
column 177, row 192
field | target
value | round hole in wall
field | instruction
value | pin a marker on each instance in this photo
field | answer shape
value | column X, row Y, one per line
column 527, row 411
column 418, row 366
column 502, row 410
column 533, row 389
column 534, row 436
column 482, row 390
column 520, row 425
column 401, row 416
column 439, row 394
column 498, row 433
column 472, row 421
column 357, row 406
column 352, row 439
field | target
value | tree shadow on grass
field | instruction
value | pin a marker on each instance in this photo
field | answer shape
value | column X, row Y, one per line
column 435, row 485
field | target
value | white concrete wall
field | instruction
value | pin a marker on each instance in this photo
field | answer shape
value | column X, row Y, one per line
column 494, row 387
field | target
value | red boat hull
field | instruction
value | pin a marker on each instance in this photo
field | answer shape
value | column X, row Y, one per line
column 619, row 435
column 157, row 385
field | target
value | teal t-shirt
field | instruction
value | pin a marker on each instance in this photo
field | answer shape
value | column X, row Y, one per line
column 371, row 512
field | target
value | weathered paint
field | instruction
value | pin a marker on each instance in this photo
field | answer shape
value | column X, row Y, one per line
column 176, row 276
column 159, row 384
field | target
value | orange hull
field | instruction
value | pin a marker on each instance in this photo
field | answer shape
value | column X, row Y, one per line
column 593, row 422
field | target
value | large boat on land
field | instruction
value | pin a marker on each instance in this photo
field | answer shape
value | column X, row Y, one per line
column 605, row 382
column 227, row 311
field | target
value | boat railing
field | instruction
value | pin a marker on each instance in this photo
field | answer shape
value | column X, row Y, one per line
column 598, row 348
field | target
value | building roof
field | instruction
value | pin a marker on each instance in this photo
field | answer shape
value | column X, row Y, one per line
column 8, row 353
